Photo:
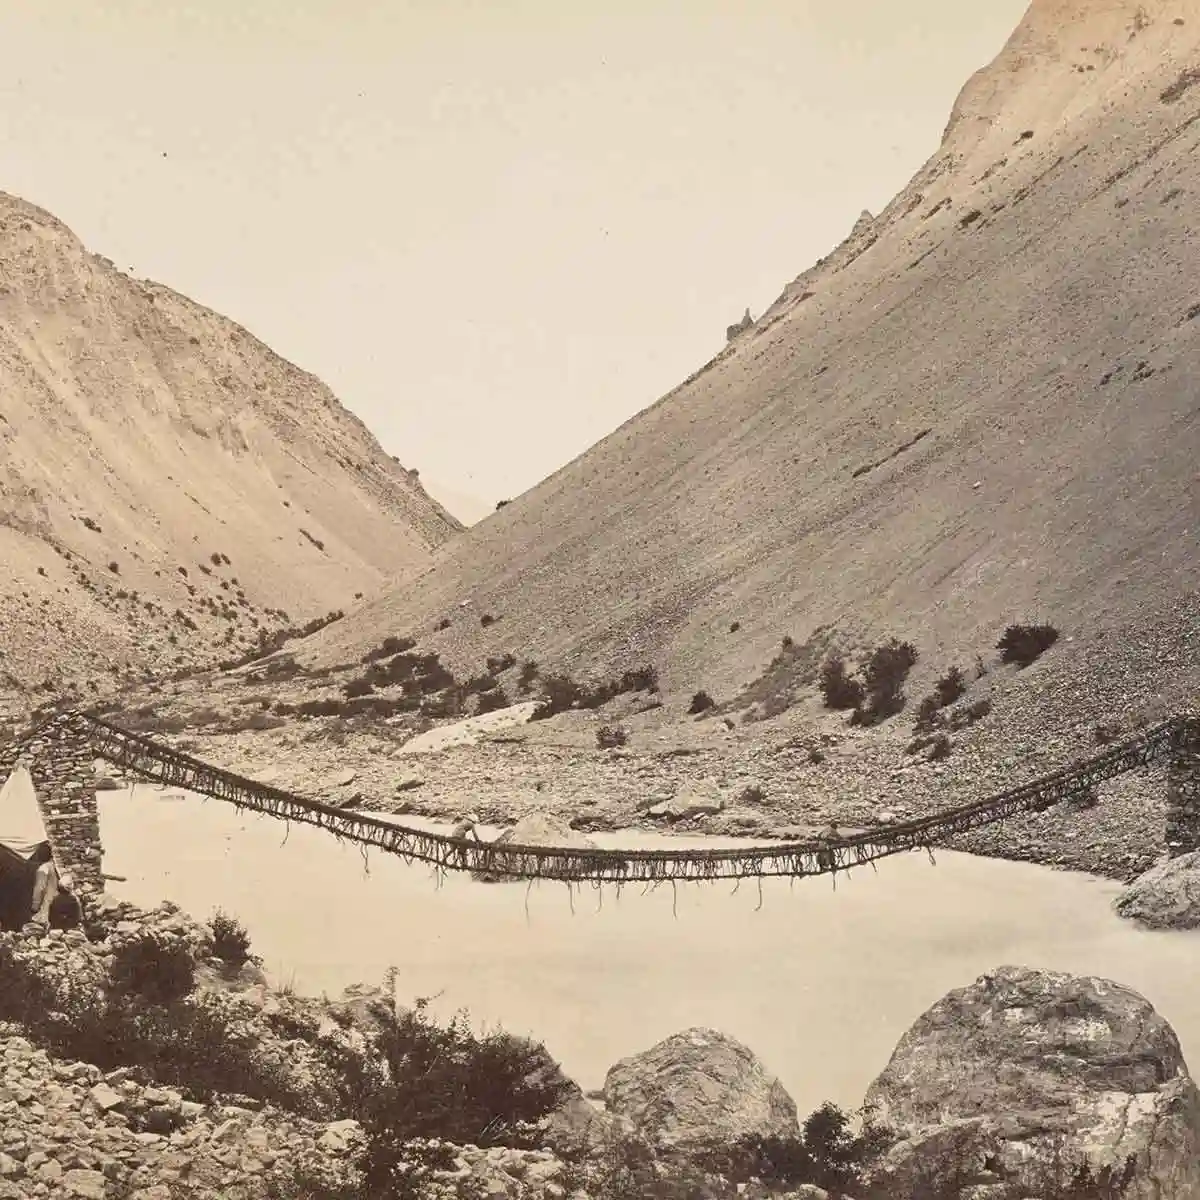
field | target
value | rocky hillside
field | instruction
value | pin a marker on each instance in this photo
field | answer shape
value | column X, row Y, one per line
column 169, row 487
column 979, row 409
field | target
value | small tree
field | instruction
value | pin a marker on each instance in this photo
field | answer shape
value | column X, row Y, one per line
column 153, row 968
column 702, row 702
column 839, row 689
column 230, row 940
column 951, row 686
column 611, row 737
column 1024, row 644
column 884, row 673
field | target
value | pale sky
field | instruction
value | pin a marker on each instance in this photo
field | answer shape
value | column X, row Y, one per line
column 495, row 229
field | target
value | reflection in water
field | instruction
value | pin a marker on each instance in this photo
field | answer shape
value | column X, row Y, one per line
column 820, row 982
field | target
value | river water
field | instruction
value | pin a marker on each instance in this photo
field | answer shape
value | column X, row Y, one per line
column 820, row 982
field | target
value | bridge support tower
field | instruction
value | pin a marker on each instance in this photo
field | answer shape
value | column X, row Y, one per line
column 1183, row 790
column 60, row 760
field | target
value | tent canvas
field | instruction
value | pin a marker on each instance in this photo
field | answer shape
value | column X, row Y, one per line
column 21, row 826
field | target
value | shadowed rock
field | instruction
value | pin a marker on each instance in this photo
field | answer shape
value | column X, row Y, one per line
column 1165, row 897
column 1026, row 1076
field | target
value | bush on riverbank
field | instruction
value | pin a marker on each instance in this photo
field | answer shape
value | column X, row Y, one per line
column 426, row 1080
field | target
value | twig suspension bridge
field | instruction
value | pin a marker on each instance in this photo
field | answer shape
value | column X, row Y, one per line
column 86, row 737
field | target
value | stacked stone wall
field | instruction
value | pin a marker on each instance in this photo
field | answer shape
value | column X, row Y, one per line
column 60, row 758
column 1183, row 791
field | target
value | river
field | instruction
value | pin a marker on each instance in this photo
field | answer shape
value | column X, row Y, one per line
column 820, row 982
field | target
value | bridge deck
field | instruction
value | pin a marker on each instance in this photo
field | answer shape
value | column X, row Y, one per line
column 143, row 758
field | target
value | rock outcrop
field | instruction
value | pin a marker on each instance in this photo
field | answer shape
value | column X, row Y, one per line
column 1165, row 897
column 67, row 1129
column 698, row 1086
column 1023, row 1078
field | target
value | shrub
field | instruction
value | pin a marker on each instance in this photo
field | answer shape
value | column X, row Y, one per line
column 444, row 623
column 115, row 568
column 950, row 687
column 827, row 1154
column 702, row 702
column 388, row 647
column 610, row 737
column 1024, row 644
column 527, row 676
column 230, row 940
column 153, row 968
column 839, row 689
column 491, row 701
column 486, row 620
column 498, row 664
column 884, row 671
column 440, row 1081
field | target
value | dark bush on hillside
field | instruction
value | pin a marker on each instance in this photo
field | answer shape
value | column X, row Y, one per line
column 478, row 684
column 950, row 687
column 561, row 693
column 702, row 702
column 444, row 623
column 416, row 674
column 1024, row 644
column 445, row 1082
column 527, row 676
column 155, row 969
column 641, row 679
column 388, row 647
column 491, row 701
column 487, row 619
column 839, row 689
column 884, row 673
column 611, row 737
column 498, row 664
column 230, row 940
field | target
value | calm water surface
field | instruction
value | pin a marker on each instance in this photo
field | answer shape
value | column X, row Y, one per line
column 820, row 982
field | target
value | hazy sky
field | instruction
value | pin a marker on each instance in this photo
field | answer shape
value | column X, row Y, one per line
column 496, row 229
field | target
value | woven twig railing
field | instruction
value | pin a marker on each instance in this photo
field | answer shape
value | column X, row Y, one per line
column 142, row 757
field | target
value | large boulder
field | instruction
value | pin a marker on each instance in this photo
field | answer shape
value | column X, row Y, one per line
column 695, row 1087
column 1165, row 897
column 1010, row 1086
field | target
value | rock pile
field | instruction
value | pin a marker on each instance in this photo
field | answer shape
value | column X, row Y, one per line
column 69, row 1130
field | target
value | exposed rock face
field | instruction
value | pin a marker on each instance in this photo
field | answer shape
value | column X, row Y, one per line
column 1024, row 1076
column 1166, row 897
column 732, row 331
column 695, row 1086
column 134, row 423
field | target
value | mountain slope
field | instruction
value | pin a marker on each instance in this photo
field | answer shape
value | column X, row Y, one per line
column 981, row 408
column 165, row 478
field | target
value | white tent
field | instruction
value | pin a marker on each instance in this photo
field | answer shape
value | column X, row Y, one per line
column 21, row 825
